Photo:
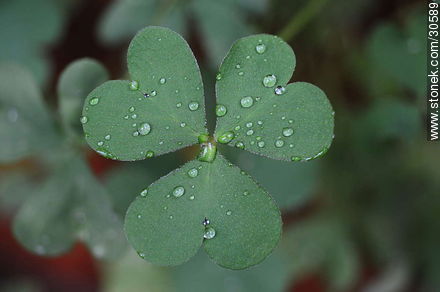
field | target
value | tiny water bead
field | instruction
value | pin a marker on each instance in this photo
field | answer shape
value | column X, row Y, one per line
column 250, row 132
column 260, row 48
column 220, row 110
column 218, row 77
column 162, row 80
column 144, row 129
column 149, row 154
column 182, row 124
column 146, row 95
column 178, row 191
column 135, row 133
column 193, row 172
column 249, row 124
column 83, row 120
column 100, row 143
column 261, row 144
column 239, row 145
column 179, row 104
column 209, row 233
column 94, row 101
column 245, row 193
column 287, row 132
column 141, row 255
column 144, row 193
column 269, row 80
column 131, row 109
column 134, row 85
column 296, row 158
column 205, row 222
column 247, row 101
column 237, row 66
column 279, row 90
column 107, row 137
column 229, row 212
column 279, row 143
column 154, row 93
column 226, row 137
column 193, row 106
column 192, row 197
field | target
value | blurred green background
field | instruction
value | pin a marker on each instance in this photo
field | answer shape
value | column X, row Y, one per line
column 365, row 217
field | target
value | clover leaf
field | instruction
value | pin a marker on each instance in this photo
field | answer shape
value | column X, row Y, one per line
column 67, row 203
column 208, row 201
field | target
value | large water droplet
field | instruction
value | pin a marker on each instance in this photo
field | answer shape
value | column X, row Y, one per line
column 260, row 48
column 94, row 101
column 280, row 90
column 193, row 106
column 287, row 132
column 209, row 233
column 247, row 101
column 226, row 137
column 269, row 80
column 134, row 85
column 178, row 191
column 193, row 172
column 220, row 110
column 144, row 129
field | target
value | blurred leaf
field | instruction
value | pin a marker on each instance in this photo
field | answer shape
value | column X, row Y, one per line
column 26, row 27
column 293, row 125
column 15, row 188
column 290, row 184
column 70, row 205
column 400, row 53
column 322, row 245
column 25, row 124
column 164, row 224
column 75, row 83
column 130, row 124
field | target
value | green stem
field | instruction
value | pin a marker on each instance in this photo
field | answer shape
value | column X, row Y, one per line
column 299, row 20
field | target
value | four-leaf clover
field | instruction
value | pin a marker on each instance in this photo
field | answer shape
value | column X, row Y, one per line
column 208, row 201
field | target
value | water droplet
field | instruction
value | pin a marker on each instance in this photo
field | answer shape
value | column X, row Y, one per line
column 260, row 123
column 247, row 101
column 237, row 66
column 245, row 193
column 218, row 76
column 171, row 217
column 179, row 104
column 248, row 57
column 141, row 254
column 139, row 216
column 220, row 110
column 209, row 233
column 193, row 106
column 135, row 133
column 134, row 85
column 229, row 212
column 261, row 144
column 94, row 101
column 249, row 124
column 149, row 154
column 162, row 80
column 107, row 137
column 100, row 143
column 192, row 197
column 131, row 109
column 193, row 172
column 296, row 158
column 250, row 132
column 178, row 191
column 205, row 221
column 134, row 116
column 258, row 138
column 84, row 120
column 144, row 193
column 287, row 132
column 226, row 137
column 241, row 73
column 146, row 95
column 183, row 124
column 154, row 93
column 280, row 90
column 237, row 128
column 239, row 145
column 144, row 129
column 279, row 143
column 260, row 48
column 290, row 121
column 269, row 80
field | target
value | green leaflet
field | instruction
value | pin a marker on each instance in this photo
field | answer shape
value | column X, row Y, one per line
column 266, row 117
column 165, row 224
column 76, row 81
column 71, row 205
column 160, row 111
column 25, row 124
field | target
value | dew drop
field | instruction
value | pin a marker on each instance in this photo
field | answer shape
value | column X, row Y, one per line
column 162, row 80
column 100, row 143
column 229, row 212
column 178, row 191
column 226, row 137
column 249, row 124
column 144, row 193
column 154, row 93
column 269, row 80
column 239, row 145
column 237, row 128
column 237, row 66
column 250, row 132
column 205, row 222
column 134, row 116
column 135, row 133
column 241, row 73
column 209, row 233
column 193, row 106
column 218, row 76
column 183, row 124
column 146, row 95
column 134, row 85
column 107, row 137
column 260, row 48
column 280, row 90
column 247, row 101
column 279, row 143
column 261, row 144
column 260, row 123
column 131, row 109
column 84, row 120
column 192, row 197
column 220, row 110
column 179, row 104
column 296, row 158
column 144, row 129
column 94, row 101
column 245, row 193
column 193, row 172
column 141, row 255
column 139, row 216
column 287, row 132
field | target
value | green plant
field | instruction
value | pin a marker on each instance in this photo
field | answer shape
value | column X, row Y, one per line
column 207, row 201
column 65, row 202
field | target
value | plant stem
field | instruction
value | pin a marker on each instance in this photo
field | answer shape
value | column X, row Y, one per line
column 299, row 20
